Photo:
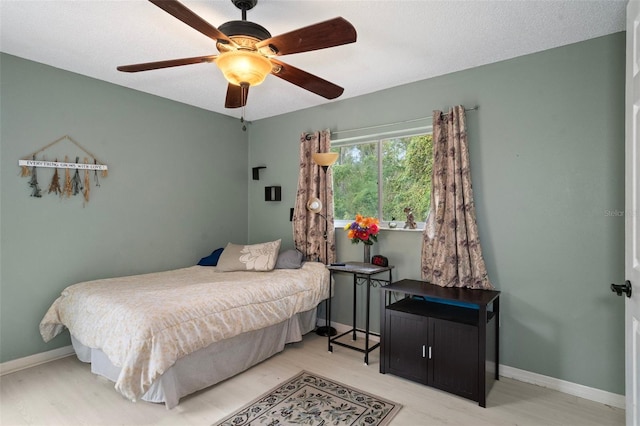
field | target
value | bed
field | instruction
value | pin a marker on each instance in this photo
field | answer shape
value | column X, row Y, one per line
column 162, row 336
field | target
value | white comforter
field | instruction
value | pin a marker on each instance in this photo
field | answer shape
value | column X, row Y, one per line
column 145, row 323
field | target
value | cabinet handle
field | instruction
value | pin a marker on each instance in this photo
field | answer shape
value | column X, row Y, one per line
column 429, row 352
column 424, row 355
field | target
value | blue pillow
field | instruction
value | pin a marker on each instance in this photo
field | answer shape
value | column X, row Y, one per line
column 212, row 259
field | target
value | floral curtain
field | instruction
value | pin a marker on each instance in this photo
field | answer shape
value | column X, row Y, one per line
column 451, row 253
column 308, row 227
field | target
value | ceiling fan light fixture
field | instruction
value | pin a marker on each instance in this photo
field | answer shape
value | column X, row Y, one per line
column 244, row 66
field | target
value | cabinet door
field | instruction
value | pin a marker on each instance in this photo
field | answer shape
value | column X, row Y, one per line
column 453, row 366
column 406, row 345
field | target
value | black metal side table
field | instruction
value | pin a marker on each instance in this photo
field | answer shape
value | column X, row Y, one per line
column 362, row 274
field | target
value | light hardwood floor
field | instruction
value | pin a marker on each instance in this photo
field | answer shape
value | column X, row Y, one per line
column 65, row 392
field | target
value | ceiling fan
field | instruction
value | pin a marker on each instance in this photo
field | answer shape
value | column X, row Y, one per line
column 248, row 51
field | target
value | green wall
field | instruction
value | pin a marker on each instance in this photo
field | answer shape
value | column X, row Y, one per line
column 547, row 148
column 547, row 151
column 161, row 207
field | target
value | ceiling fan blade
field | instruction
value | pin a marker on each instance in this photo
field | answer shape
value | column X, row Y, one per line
column 236, row 96
column 186, row 15
column 147, row 66
column 307, row 81
column 334, row 32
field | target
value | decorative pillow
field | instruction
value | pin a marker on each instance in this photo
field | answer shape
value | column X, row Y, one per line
column 256, row 257
column 212, row 259
column 289, row 259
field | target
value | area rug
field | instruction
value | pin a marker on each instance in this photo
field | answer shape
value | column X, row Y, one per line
column 309, row 399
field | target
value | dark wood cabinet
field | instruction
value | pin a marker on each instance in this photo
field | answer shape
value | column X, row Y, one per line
column 442, row 337
column 454, row 361
column 406, row 359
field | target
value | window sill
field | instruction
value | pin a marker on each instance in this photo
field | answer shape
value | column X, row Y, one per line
column 340, row 224
column 401, row 229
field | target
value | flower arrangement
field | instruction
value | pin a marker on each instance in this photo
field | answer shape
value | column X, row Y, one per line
column 363, row 229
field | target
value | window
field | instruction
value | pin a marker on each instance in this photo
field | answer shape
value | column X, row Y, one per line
column 383, row 175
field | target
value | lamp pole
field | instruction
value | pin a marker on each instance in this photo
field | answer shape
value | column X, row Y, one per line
column 326, row 218
column 324, row 160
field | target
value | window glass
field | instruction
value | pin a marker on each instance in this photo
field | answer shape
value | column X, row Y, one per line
column 406, row 170
column 385, row 175
column 355, row 181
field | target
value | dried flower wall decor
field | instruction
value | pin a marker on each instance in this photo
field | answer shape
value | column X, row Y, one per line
column 71, row 185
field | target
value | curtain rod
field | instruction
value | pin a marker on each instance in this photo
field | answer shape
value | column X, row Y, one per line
column 475, row 108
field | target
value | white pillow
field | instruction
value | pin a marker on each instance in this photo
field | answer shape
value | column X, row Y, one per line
column 255, row 257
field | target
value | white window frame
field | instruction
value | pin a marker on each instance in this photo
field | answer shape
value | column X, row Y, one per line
column 378, row 138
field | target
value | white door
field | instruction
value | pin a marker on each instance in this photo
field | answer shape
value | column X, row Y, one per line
column 632, row 215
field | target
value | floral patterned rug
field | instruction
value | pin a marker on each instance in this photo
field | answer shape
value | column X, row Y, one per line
column 309, row 399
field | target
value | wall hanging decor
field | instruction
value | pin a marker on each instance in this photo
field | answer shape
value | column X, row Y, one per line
column 71, row 184
column 273, row 193
column 256, row 172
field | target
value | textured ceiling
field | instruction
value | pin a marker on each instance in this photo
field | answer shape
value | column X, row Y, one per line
column 398, row 42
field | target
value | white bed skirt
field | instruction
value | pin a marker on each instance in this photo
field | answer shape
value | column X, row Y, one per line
column 209, row 365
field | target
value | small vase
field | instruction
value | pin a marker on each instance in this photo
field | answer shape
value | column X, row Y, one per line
column 367, row 253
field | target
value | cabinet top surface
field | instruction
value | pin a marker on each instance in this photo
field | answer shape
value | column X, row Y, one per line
column 423, row 288
column 359, row 268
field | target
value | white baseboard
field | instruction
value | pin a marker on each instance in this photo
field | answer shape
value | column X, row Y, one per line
column 593, row 394
column 33, row 360
column 575, row 389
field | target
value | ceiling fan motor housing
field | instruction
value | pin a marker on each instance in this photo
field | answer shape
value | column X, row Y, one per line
column 244, row 33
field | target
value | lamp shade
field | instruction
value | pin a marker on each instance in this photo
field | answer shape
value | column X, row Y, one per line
column 324, row 158
column 314, row 205
column 244, row 66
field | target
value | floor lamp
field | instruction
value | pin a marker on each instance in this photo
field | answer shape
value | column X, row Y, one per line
column 324, row 160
